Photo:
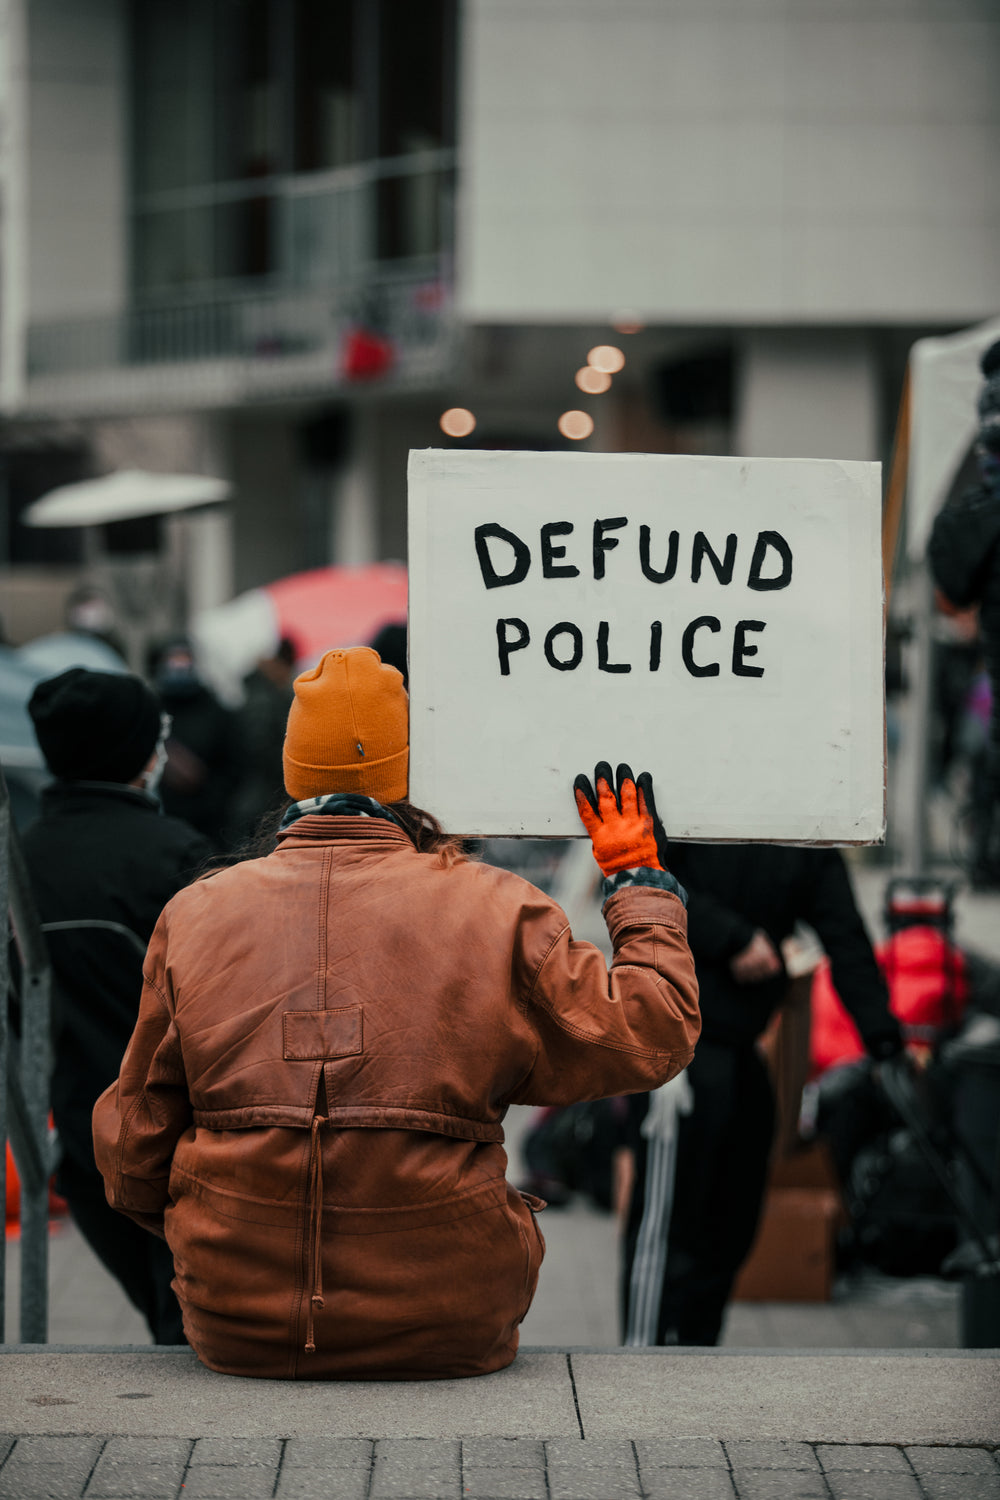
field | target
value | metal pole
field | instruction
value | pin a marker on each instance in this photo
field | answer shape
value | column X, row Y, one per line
column 28, row 1069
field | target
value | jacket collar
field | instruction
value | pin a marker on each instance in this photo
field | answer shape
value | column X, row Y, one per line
column 324, row 828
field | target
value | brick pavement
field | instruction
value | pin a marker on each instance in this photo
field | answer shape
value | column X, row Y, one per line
column 74, row 1467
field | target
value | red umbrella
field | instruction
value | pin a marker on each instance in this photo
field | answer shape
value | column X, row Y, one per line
column 318, row 609
column 337, row 606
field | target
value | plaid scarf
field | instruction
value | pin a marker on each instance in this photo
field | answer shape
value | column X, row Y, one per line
column 338, row 805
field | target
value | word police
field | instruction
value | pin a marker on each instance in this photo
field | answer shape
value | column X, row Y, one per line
column 505, row 560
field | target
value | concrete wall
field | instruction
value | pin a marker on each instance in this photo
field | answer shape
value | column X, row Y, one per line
column 780, row 160
column 807, row 395
column 76, row 157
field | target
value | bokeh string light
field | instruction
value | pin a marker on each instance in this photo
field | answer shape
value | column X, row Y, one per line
column 576, row 425
column 593, row 382
column 457, row 422
column 606, row 358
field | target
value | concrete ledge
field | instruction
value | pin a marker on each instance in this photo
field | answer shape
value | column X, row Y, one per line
column 860, row 1397
column 846, row 1396
column 153, row 1392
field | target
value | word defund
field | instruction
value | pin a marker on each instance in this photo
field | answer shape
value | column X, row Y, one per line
column 519, row 558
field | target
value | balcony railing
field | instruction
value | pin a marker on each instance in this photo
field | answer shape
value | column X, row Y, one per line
column 331, row 274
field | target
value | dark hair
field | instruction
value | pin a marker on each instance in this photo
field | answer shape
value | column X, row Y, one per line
column 427, row 834
column 390, row 643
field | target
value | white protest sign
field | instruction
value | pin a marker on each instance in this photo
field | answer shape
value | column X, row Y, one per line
column 714, row 621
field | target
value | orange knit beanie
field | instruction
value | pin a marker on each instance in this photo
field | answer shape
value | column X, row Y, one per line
column 348, row 729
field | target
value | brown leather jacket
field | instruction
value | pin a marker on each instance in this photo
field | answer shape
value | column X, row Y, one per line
column 310, row 1106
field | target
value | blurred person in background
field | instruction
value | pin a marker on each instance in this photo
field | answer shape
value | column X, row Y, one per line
column 390, row 643
column 89, row 638
column 311, row 1105
column 982, row 815
column 203, row 757
column 964, row 556
column 260, row 736
column 706, row 1139
column 101, row 853
column 957, row 661
column 90, row 612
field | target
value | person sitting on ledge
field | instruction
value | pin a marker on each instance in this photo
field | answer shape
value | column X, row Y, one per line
column 310, row 1108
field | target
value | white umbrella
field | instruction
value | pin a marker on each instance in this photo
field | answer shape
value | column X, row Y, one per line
column 124, row 496
column 148, row 590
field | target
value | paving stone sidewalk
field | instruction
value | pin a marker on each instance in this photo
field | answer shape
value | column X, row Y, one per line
column 75, row 1467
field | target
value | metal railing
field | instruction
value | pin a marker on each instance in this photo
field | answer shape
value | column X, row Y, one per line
column 25, row 1053
column 263, row 327
column 329, row 266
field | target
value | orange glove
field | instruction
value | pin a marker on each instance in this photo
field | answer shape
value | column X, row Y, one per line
column 623, row 823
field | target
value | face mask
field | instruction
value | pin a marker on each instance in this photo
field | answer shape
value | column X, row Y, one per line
column 92, row 617
column 178, row 681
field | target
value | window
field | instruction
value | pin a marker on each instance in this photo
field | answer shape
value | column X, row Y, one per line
column 237, row 102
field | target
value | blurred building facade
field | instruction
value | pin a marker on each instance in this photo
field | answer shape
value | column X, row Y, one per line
column 275, row 239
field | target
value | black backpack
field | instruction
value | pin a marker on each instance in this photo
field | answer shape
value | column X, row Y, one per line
column 575, row 1146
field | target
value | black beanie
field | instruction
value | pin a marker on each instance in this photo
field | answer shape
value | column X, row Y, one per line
column 95, row 726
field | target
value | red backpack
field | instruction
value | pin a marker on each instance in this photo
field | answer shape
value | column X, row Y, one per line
column 928, row 990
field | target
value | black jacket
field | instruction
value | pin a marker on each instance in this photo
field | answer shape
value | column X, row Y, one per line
column 99, row 850
column 735, row 888
column 964, row 556
column 203, row 760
